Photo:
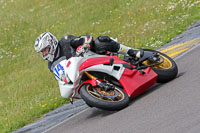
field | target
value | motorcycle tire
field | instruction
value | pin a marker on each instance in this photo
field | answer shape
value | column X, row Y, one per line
column 167, row 70
column 93, row 99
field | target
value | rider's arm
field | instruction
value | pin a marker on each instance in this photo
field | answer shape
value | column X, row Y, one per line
column 81, row 43
column 86, row 39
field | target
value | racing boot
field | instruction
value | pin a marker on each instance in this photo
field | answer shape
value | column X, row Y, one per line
column 127, row 51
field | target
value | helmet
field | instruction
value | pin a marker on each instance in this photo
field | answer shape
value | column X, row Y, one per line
column 46, row 43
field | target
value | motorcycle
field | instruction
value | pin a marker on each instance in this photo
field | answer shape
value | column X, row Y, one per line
column 108, row 82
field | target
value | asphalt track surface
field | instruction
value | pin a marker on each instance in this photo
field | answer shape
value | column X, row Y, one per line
column 172, row 107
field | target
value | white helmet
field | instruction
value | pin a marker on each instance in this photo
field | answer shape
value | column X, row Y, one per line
column 46, row 42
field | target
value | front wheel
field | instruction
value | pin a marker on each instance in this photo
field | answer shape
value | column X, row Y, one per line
column 114, row 99
column 167, row 70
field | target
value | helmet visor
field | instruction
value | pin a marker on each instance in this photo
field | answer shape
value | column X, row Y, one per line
column 45, row 51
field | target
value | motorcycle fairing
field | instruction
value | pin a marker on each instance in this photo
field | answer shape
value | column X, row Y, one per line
column 92, row 82
column 108, row 69
column 66, row 90
column 134, row 82
column 101, row 60
column 102, row 64
column 76, row 63
column 59, row 71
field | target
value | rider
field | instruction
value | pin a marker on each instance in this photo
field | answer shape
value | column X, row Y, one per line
column 52, row 49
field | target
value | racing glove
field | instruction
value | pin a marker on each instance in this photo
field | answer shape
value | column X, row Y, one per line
column 87, row 42
column 83, row 48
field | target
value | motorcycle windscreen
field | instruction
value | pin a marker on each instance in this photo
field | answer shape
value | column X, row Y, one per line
column 134, row 82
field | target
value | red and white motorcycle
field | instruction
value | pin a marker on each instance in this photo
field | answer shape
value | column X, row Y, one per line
column 108, row 82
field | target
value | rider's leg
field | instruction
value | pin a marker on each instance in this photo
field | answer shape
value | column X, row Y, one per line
column 123, row 49
column 105, row 43
column 131, row 52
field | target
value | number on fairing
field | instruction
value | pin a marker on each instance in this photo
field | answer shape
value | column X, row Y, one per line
column 57, row 69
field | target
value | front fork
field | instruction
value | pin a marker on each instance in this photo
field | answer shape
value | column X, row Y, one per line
column 93, row 77
column 105, row 85
column 98, row 83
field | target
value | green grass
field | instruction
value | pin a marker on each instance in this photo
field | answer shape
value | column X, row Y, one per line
column 27, row 88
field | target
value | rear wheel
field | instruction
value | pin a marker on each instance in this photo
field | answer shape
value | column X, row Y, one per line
column 114, row 99
column 167, row 70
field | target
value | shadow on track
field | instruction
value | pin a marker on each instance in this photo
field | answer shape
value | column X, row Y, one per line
column 152, row 89
column 98, row 113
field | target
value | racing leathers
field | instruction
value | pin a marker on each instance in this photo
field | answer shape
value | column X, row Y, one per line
column 71, row 45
